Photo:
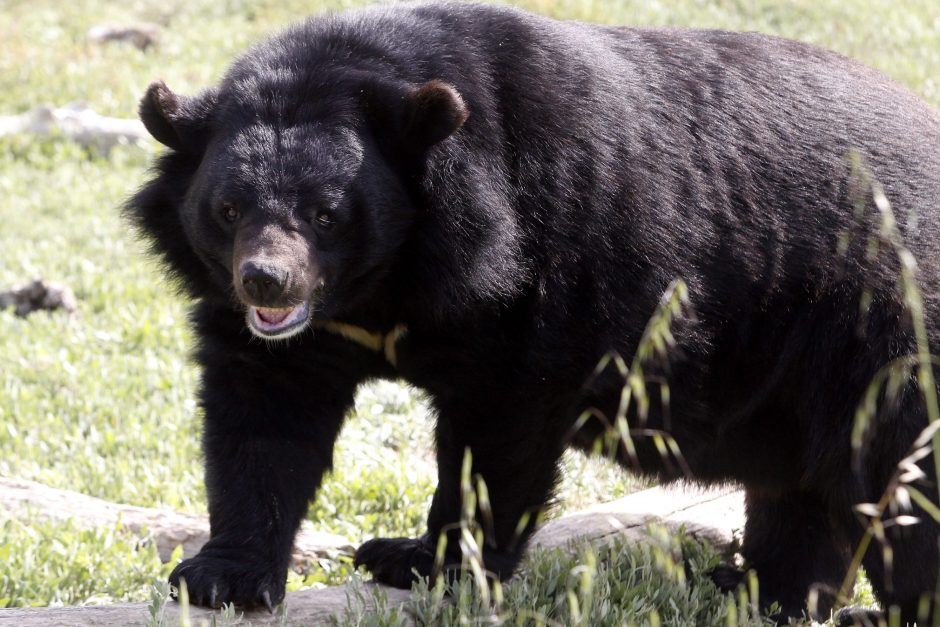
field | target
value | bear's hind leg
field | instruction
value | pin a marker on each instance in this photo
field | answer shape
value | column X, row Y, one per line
column 793, row 543
column 910, row 579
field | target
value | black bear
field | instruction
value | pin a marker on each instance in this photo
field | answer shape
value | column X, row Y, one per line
column 485, row 203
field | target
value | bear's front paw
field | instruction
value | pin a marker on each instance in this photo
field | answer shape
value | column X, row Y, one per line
column 393, row 561
column 215, row 577
column 858, row 617
column 726, row 578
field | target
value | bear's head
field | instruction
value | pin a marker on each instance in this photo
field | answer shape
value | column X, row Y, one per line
column 285, row 193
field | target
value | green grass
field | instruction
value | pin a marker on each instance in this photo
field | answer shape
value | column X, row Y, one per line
column 102, row 402
column 56, row 563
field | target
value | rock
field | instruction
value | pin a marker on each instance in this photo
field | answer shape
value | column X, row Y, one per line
column 78, row 123
column 38, row 295
column 141, row 36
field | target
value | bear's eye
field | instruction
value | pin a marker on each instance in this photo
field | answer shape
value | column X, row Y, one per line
column 325, row 219
column 229, row 212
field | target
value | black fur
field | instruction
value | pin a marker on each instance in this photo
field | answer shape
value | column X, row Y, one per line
column 519, row 192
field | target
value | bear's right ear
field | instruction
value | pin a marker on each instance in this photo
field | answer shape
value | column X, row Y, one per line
column 175, row 121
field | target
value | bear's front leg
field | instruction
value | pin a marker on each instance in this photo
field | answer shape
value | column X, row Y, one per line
column 271, row 419
column 516, row 456
column 258, row 489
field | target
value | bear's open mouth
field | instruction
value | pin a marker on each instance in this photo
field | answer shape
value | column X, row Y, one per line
column 278, row 323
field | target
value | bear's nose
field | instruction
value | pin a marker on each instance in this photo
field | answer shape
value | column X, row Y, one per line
column 264, row 284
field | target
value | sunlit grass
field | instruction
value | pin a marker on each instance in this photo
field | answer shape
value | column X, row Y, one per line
column 58, row 563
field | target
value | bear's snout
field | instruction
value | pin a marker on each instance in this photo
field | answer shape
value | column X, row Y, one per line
column 277, row 307
column 263, row 283
column 273, row 272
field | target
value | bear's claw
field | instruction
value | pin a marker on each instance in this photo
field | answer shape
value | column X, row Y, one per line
column 266, row 599
column 213, row 579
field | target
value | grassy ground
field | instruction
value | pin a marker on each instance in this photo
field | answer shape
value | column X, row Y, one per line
column 102, row 402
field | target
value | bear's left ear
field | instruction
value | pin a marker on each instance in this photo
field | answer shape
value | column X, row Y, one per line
column 414, row 118
column 433, row 112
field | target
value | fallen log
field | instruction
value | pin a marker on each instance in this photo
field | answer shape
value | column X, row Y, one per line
column 714, row 515
column 304, row 607
column 167, row 528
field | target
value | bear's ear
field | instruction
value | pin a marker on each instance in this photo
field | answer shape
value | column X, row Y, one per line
column 414, row 118
column 177, row 122
column 433, row 112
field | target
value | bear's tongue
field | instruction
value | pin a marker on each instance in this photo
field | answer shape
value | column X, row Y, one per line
column 273, row 316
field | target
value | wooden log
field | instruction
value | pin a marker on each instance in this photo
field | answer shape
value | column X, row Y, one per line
column 714, row 515
column 167, row 528
column 304, row 607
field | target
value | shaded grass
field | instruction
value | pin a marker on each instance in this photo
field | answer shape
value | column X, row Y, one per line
column 620, row 583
